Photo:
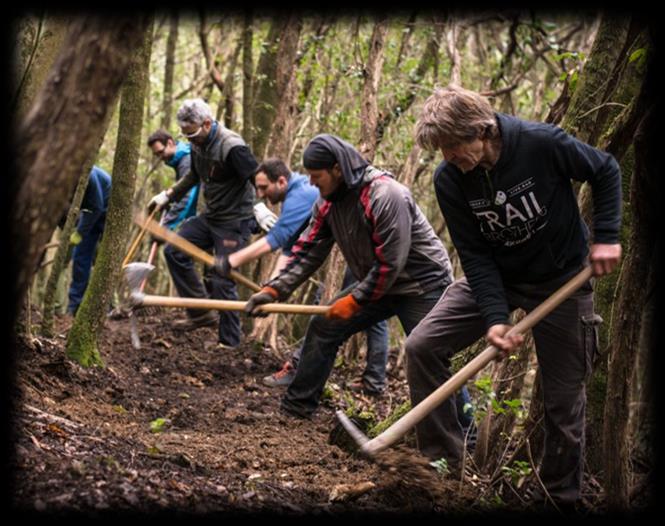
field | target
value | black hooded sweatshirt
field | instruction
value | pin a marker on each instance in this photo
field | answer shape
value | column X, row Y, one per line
column 519, row 222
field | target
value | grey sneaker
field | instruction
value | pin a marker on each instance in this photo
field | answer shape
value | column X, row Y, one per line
column 282, row 377
column 206, row 319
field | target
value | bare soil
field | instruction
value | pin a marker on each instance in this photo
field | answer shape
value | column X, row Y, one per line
column 84, row 441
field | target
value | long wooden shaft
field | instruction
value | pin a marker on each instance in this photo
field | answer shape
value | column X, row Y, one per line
column 197, row 303
column 139, row 237
column 439, row 395
column 151, row 257
column 192, row 250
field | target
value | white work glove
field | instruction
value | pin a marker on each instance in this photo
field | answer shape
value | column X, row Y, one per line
column 264, row 217
column 159, row 201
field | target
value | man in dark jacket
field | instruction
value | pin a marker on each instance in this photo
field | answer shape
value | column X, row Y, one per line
column 274, row 181
column 400, row 265
column 88, row 232
column 177, row 155
column 224, row 165
column 504, row 189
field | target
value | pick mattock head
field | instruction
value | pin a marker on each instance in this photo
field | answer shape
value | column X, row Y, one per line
column 355, row 433
column 135, row 273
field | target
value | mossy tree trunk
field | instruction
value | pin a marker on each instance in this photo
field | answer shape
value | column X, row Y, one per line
column 580, row 119
column 627, row 320
column 39, row 42
column 58, row 136
column 60, row 259
column 622, row 92
column 82, row 340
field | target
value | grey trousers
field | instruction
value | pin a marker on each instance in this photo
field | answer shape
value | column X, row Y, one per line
column 566, row 344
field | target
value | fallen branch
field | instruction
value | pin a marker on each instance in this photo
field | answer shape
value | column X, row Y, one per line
column 345, row 492
column 43, row 415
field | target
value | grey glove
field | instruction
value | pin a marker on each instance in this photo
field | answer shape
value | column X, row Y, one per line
column 265, row 295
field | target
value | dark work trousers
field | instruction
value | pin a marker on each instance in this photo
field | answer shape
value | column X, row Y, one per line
column 223, row 239
column 565, row 346
column 374, row 375
column 82, row 258
column 324, row 336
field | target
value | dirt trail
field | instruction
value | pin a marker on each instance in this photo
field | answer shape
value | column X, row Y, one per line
column 84, row 440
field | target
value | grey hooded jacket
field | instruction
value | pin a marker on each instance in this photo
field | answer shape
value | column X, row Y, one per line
column 386, row 240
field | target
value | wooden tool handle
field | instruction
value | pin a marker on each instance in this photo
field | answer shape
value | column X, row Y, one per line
column 192, row 250
column 139, row 237
column 197, row 303
column 420, row 411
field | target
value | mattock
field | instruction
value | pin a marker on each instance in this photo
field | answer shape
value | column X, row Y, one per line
column 191, row 249
column 444, row 391
column 136, row 274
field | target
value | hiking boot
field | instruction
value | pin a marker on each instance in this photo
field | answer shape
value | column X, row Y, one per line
column 282, row 377
column 207, row 319
column 218, row 346
column 359, row 387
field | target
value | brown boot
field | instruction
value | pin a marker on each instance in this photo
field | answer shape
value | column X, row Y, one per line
column 205, row 319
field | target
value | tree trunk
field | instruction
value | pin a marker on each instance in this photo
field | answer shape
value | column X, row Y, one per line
column 534, row 430
column 273, row 74
column 77, row 95
column 60, row 259
column 452, row 38
column 581, row 120
column 247, row 76
column 35, row 57
column 405, row 100
column 627, row 320
column 82, row 340
column 281, row 136
column 407, row 32
column 369, row 111
column 507, row 382
column 169, row 68
column 591, row 89
column 211, row 66
column 228, row 95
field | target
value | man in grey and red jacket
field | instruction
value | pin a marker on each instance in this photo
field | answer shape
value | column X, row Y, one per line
column 505, row 191
column 400, row 265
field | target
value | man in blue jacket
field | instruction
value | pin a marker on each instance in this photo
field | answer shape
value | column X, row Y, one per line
column 88, row 233
column 274, row 181
column 177, row 155
column 505, row 191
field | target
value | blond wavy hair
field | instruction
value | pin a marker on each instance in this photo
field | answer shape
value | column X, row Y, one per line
column 454, row 115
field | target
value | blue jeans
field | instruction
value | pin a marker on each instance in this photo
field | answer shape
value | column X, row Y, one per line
column 374, row 375
column 223, row 239
column 324, row 336
column 82, row 258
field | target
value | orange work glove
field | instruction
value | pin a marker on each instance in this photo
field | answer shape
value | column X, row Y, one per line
column 343, row 308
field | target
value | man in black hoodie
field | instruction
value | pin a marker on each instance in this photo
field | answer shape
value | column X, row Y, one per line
column 505, row 191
